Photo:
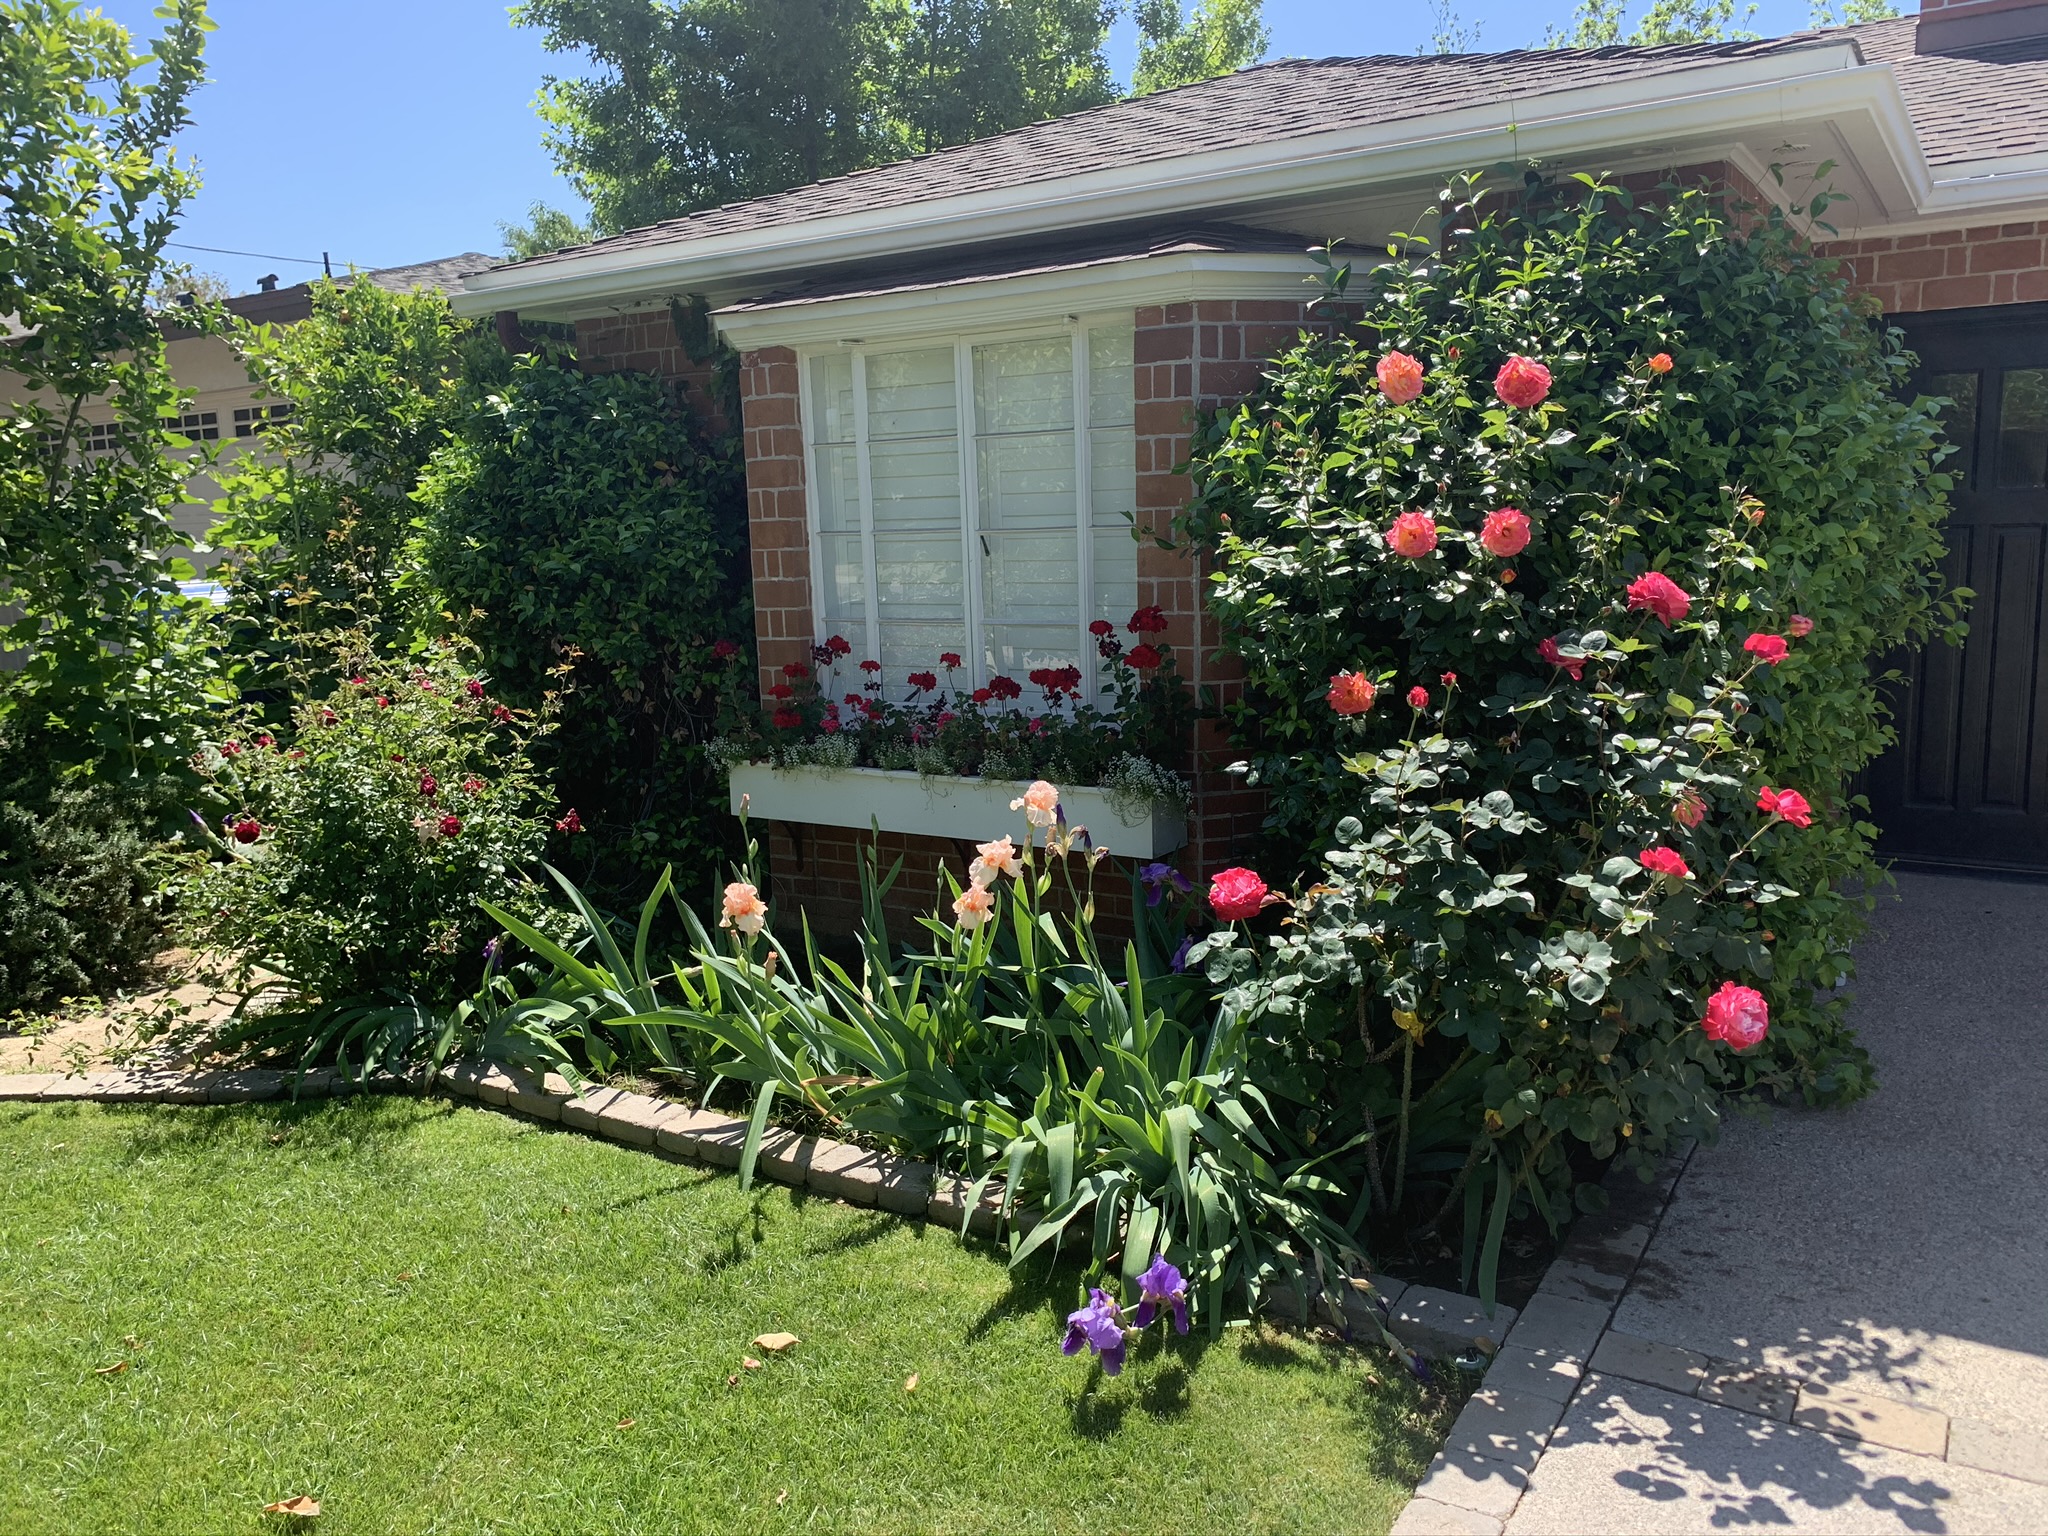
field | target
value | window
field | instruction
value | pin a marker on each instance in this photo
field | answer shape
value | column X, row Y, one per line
column 199, row 426
column 250, row 419
column 2023, row 428
column 974, row 497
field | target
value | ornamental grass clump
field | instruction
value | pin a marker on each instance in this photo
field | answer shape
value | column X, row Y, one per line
column 1573, row 540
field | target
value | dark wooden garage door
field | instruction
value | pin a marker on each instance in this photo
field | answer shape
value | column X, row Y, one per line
column 1967, row 784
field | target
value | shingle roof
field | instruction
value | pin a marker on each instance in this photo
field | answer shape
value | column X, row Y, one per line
column 1289, row 98
column 443, row 273
column 1966, row 105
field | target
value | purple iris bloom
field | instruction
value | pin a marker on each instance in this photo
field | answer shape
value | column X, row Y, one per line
column 1099, row 1325
column 1180, row 955
column 1157, row 878
column 1419, row 1368
column 1162, row 1286
column 490, row 950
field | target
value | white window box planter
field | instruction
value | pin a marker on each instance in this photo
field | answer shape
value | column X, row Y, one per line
column 976, row 809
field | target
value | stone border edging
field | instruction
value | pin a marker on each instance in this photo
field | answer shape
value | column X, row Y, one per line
column 1430, row 1321
column 1563, row 1341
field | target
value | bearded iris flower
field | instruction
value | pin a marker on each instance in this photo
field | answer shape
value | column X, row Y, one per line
column 1162, row 1286
column 1100, row 1326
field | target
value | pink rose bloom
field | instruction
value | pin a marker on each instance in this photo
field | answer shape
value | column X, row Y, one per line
column 1690, row 809
column 1400, row 377
column 1737, row 1016
column 1548, row 652
column 1799, row 626
column 1522, row 383
column 1660, row 595
column 1789, row 804
column 1413, row 535
column 1768, row 649
column 1418, row 697
column 1236, row 894
column 1040, row 804
column 973, row 907
column 745, row 911
column 1352, row 693
column 1505, row 533
column 997, row 858
column 1664, row 861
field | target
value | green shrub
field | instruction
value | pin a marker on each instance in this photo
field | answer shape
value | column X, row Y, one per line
column 1718, row 411
column 354, row 845
column 586, row 536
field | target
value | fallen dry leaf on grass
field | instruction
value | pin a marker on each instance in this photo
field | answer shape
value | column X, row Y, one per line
column 733, row 1380
column 782, row 1498
column 750, row 1362
column 776, row 1343
column 405, row 1274
column 111, row 1370
column 626, row 1423
column 299, row 1506
column 910, row 1382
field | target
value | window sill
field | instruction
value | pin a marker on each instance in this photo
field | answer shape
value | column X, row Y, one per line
column 904, row 801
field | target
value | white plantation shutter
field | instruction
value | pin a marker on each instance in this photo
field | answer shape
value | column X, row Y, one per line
column 1026, row 528
column 913, row 421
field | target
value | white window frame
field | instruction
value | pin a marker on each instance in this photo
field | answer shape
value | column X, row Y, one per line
column 1075, row 328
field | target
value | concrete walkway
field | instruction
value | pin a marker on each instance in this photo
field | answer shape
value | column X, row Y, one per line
column 1840, row 1322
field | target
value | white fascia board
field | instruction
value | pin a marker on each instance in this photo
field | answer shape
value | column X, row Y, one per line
column 981, row 305
column 1711, row 101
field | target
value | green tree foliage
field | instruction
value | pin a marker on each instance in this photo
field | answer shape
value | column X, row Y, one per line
column 1177, row 49
column 1720, row 409
column 1600, row 24
column 1853, row 13
column 546, row 229
column 590, row 539
column 93, row 193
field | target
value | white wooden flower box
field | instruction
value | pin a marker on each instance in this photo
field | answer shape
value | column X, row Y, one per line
column 904, row 801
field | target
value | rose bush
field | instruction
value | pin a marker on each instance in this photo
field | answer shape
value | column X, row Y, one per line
column 1525, row 896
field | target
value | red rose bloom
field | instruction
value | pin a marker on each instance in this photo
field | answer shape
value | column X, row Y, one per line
column 429, row 785
column 1768, row 649
column 1786, row 803
column 1505, row 533
column 231, row 749
column 1413, row 535
column 1660, row 595
column 328, row 717
column 1400, row 377
column 1737, row 1016
column 1352, row 693
column 382, row 702
column 501, row 715
column 1548, row 652
column 1664, row 861
column 785, row 719
column 1449, row 679
column 1799, row 626
column 1522, row 383
column 1661, row 363
column 472, row 786
column 1418, row 697
column 571, row 823
column 473, row 688
column 1236, row 894
column 265, row 739
column 246, row 830
column 451, row 826
column 1148, row 621
column 1144, row 657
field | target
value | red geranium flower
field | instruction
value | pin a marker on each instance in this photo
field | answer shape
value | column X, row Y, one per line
column 785, row 719
column 1660, row 595
column 724, row 650
column 1001, row 687
column 1789, row 804
column 1101, row 627
column 949, row 659
column 838, row 645
column 1548, row 652
column 1236, row 894
column 1144, row 657
column 1148, row 621
column 982, row 695
column 1768, row 649
column 1400, row 377
column 923, row 680
column 871, row 666
column 1737, row 1015
column 780, row 691
column 1505, row 533
column 1522, row 383
column 1664, row 861
column 794, row 670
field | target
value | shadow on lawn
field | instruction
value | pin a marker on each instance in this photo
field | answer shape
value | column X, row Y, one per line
column 354, row 1124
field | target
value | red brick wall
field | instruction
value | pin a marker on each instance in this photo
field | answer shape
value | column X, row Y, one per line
column 1951, row 269
column 646, row 342
column 776, row 521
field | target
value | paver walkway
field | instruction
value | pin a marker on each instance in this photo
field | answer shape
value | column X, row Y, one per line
column 1840, row 1323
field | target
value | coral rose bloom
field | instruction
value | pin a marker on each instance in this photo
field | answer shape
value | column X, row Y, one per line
column 1549, row 652
column 973, row 907
column 1799, row 626
column 1413, row 535
column 1235, row 894
column 1661, row 363
column 1768, row 649
column 1787, row 803
column 1664, row 861
column 1660, row 595
column 1505, row 533
column 1522, row 382
column 1400, row 377
column 1352, row 693
column 1690, row 809
column 997, row 858
column 744, row 908
column 1737, row 1015
column 1040, row 804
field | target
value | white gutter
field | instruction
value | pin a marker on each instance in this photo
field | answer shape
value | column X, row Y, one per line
column 1706, row 103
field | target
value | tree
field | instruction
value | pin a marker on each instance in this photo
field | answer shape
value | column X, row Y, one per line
column 1222, row 36
column 1598, row 24
column 546, row 229
column 93, row 194
column 1449, row 32
column 1853, row 13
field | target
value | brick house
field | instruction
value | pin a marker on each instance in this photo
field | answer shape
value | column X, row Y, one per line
column 965, row 375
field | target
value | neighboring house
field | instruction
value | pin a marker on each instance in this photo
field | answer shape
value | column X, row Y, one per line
column 959, row 371
column 221, row 405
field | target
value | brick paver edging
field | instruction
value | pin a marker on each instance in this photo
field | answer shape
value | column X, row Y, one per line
column 1562, row 1341
column 1430, row 1321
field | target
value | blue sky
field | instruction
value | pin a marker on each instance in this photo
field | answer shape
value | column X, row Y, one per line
column 391, row 131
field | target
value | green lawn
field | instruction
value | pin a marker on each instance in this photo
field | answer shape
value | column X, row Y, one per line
column 434, row 1319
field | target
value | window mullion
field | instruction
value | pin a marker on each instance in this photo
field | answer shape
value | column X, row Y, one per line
column 811, row 413
column 867, row 501
column 1084, row 510
column 970, row 515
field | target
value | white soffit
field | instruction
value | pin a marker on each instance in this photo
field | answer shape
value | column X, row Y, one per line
column 1758, row 102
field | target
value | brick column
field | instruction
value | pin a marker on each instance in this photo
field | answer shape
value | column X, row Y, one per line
column 776, row 522
column 1951, row 268
column 646, row 342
